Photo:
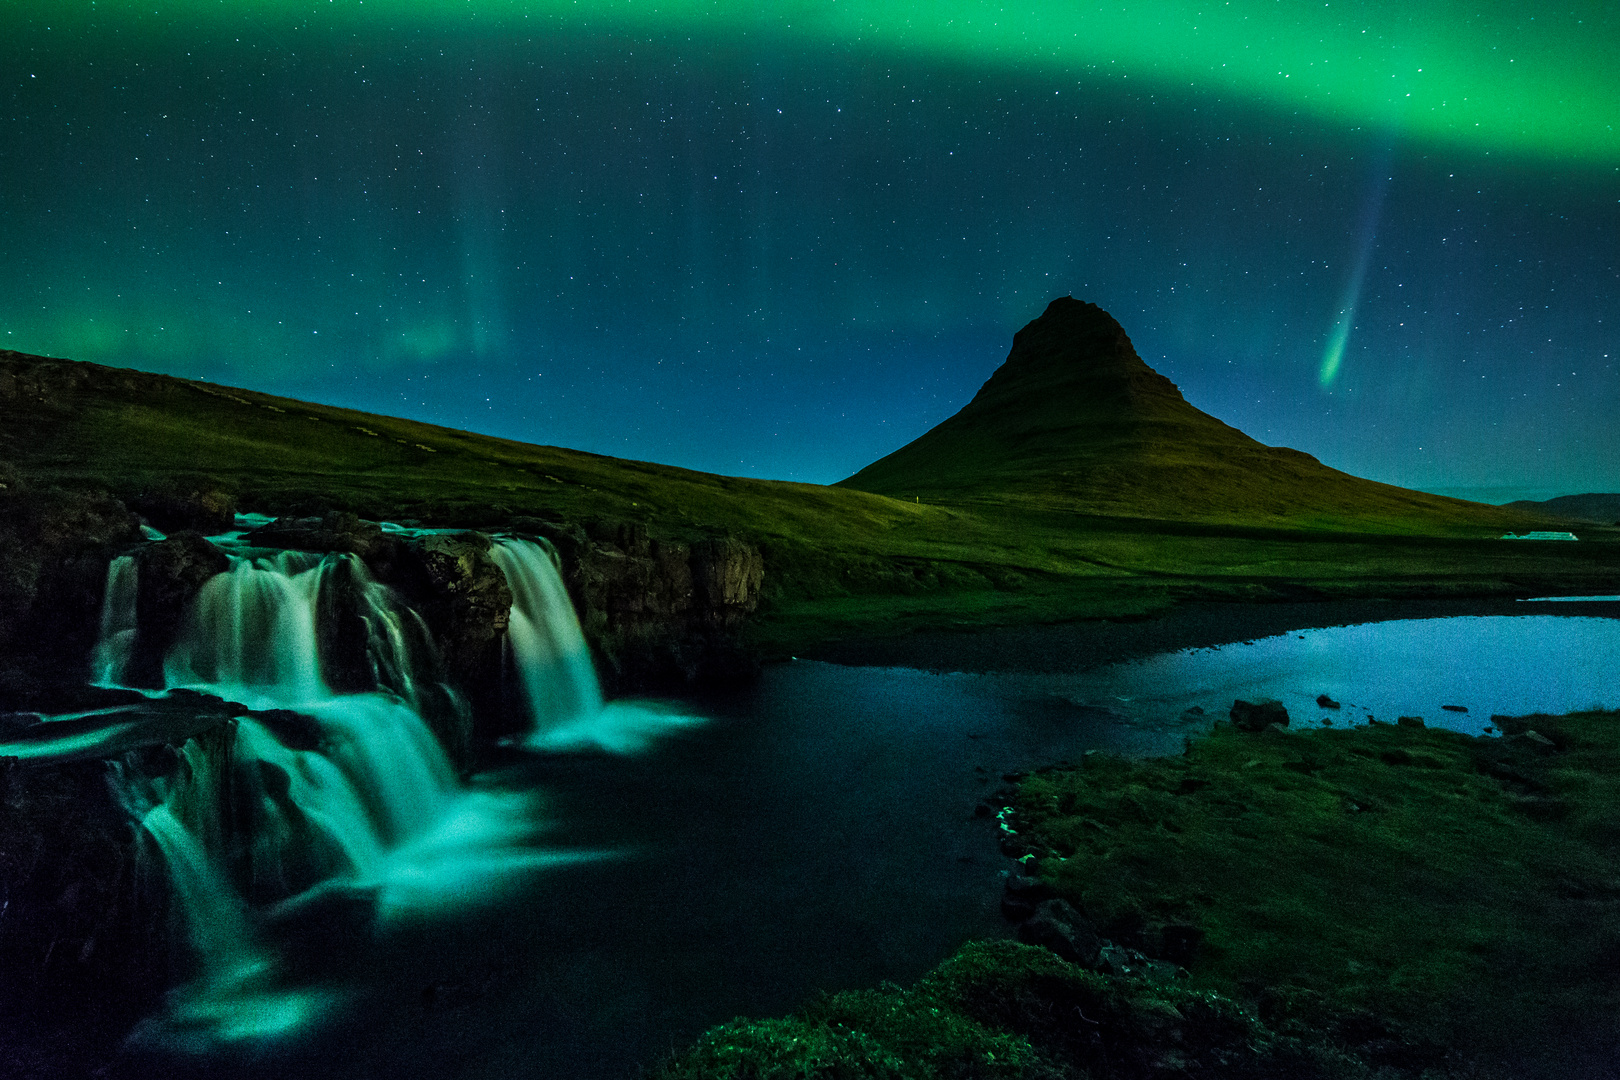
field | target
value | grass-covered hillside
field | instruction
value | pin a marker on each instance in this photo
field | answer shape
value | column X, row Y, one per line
column 839, row 560
column 1075, row 419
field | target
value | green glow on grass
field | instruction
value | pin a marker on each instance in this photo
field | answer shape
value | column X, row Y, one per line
column 1490, row 76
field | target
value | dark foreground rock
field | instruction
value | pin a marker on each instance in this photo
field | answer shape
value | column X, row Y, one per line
column 1056, row 925
column 88, row 917
column 201, row 508
column 1258, row 715
column 54, row 549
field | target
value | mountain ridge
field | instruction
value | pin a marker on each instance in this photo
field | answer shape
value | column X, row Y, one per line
column 1602, row 508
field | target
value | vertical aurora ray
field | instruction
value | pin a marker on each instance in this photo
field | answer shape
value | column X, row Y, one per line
column 1350, row 300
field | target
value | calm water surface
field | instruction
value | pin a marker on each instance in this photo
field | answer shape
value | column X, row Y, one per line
column 816, row 832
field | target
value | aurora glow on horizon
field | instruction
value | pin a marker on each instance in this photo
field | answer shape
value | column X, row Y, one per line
column 784, row 241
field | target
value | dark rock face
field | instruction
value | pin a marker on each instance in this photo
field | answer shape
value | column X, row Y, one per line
column 463, row 598
column 660, row 614
column 203, row 509
column 468, row 603
column 1258, row 715
column 54, row 549
column 726, row 574
column 337, row 531
column 87, row 904
column 170, row 574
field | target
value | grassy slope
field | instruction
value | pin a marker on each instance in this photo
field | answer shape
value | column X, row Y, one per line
column 840, row 561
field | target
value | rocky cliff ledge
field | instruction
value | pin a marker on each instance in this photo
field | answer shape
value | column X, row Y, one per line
column 660, row 615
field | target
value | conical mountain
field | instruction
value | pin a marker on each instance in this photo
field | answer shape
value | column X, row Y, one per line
column 1075, row 420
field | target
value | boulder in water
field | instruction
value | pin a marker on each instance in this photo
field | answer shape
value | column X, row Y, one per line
column 1258, row 715
column 204, row 508
column 338, row 530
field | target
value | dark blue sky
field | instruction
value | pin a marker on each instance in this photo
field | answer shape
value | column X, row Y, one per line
column 773, row 257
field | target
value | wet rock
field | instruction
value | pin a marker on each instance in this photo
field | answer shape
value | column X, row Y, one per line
column 1016, row 909
column 468, row 601
column 202, row 508
column 660, row 614
column 1326, row 702
column 1028, row 888
column 1021, row 895
column 84, row 920
column 1115, row 959
column 341, row 631
column 566, row 538
column 335, row 531
column 54, row 549
column 170, row 574
column 1257, row 715
column 1057, row 926
column 1455, row 708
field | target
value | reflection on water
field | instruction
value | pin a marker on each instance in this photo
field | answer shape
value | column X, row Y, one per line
column 1413, row 667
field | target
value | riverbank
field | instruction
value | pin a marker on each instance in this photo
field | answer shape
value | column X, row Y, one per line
column 1392, row 896
column 1081, row 644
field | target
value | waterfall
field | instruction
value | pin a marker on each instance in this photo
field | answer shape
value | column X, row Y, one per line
column 249, row 635
column 554, row 664
column 361, row 806
column 553, row 661
column 340, row 804
column 117, row 623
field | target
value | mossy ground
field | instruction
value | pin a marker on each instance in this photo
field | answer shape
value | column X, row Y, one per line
column 1389, row 901
column 1004, row 1011
column 1468, row 888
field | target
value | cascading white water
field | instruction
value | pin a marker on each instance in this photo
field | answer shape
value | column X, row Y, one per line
column 554, row 664
column 363, row 805
column 374, row 805
column 553, row 661
column 117, row 623
column 250, row 634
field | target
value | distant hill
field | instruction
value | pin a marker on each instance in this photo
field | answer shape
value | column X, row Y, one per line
column 1075, row 420
column 1601, row 508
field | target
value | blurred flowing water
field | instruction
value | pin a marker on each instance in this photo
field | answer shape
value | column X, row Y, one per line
column 636, row 871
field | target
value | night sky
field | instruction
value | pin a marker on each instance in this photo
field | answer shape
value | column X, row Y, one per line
column 781, row 240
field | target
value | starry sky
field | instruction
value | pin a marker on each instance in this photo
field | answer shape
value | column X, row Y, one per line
column 781, row 240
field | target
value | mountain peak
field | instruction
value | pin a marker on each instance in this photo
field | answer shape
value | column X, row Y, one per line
column 1080, row 353
column 1075, row 420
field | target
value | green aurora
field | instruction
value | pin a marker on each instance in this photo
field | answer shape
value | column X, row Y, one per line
column 1496, row 77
